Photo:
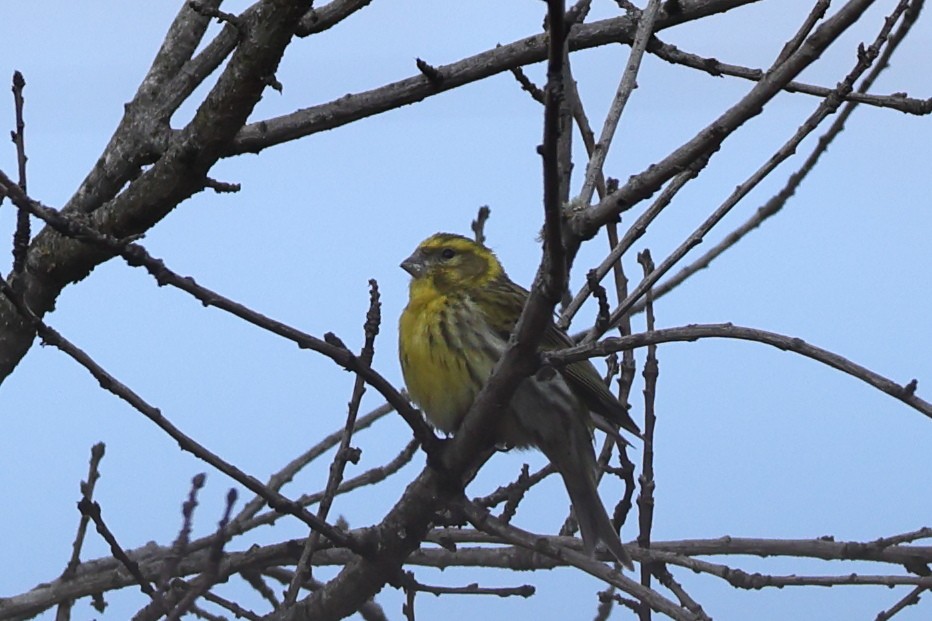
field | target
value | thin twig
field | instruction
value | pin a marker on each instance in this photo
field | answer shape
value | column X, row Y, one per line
column 212, row 574
column 667, row 580
column 345, row 452
column 625, row 472
column 780, row 199
column 221, row 187
column 637, row 230
column 910, row 599
column 409, row 582
column 222, row 17
column 865, row 58
column 92, row 510
column 63, row 613
column 238, row 611
column 257, row 581
column 478, row 225
column 513, row 493
column 288, row 472
column 321, row 18
column 791, row 46
column 895, row 540
column 137, row 256
column 646, row 480
column 585, row 129
column 577, row 13
column 606, row 603
column 628, row 365
column 180, row 546
column 484, row 521
column 527, row 85
column 627, row 85
column 897, row 101
column 22, row 234
column 111, row 384
column 87, row 491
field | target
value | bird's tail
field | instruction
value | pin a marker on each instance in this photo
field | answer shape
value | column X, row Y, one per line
column 547, row 414
column 593, row 520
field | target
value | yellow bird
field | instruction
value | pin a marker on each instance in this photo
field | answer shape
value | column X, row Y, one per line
column 461, row 311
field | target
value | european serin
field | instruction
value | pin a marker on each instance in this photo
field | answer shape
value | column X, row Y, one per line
column 460, row 314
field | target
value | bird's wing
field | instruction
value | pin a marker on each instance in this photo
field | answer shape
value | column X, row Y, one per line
column 501, row 305
column 586, row 383
column 502, row 310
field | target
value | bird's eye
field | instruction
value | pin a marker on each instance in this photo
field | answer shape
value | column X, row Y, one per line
column 447, row 253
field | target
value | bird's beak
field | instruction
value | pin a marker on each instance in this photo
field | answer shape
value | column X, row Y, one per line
column 414, row 264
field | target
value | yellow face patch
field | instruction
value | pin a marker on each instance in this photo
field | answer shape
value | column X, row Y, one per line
column 453, row 263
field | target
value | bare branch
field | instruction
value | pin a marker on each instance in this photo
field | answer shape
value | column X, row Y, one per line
column 910, row 599
column 779, row 200
column 897, row 101
column 87, row 492
column 186, row 443
column 584, row 224
column 646, row 479
column 409, row 583
column 103, row 574
column 91, row 509
column 135, row 255
column 180, row 162
column 345, row 452
column 627, row 85
column 828, row 106
column 482, row 520
column 478, row 225
column 22, row 234
column 904, row 392
column 180, row 547
column 637, row 230
column 326, row 17
column 287, row 473
column 268, row 132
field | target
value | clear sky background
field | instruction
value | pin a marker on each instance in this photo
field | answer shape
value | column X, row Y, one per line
column 751, row 441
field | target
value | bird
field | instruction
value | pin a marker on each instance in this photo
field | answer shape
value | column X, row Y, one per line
column 461, row 310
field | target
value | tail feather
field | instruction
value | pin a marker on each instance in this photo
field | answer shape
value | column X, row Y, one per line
column 547, row 414
column 593, row 520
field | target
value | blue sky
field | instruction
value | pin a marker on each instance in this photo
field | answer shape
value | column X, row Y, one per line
column 751, row 441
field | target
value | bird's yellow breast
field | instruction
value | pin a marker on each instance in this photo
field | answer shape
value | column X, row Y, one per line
column 441, row 377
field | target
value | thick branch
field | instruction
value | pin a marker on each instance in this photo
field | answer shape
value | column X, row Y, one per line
column 54, row 262
column 263, row 134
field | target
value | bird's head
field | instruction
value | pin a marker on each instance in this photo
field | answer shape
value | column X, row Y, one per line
column 451, row 262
